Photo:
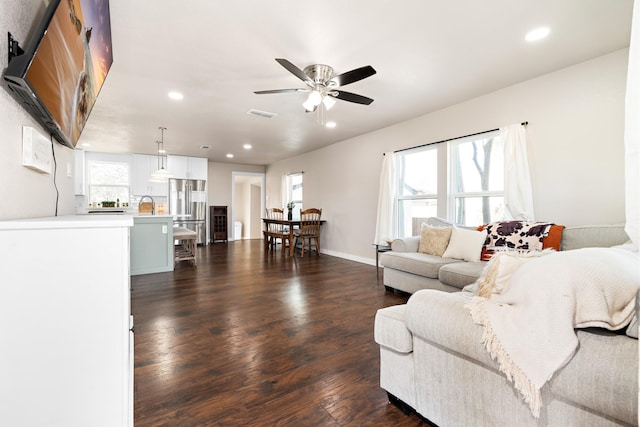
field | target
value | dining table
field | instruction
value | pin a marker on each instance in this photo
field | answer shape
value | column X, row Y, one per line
column 289, row 224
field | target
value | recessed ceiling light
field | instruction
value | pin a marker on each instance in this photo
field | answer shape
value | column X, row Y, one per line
column 229, row 156
column 330, row 124
column 537, row 34
column 247, row 146
column 86, row 144
column 176, row 95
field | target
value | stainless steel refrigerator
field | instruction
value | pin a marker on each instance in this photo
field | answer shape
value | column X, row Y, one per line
column 188, row 206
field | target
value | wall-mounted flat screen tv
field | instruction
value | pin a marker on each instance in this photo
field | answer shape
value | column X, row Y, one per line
column 60, row 73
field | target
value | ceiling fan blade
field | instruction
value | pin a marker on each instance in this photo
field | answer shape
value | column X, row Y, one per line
column 262, row 92
column 295, row 71
column 351, row 97
column 353, row 75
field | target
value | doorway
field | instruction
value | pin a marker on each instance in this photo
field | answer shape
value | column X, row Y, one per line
column 247, row 200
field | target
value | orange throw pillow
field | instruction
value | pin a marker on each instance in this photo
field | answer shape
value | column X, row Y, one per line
column 553, row 238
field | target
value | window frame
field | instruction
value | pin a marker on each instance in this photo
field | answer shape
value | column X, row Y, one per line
column 445, row 197
column 400, row 198
column 453, row 196
column 91, row 184
column 290, row 191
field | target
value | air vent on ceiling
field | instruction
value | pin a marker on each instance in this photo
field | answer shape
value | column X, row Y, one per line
column 254, row 112
column 205, row 147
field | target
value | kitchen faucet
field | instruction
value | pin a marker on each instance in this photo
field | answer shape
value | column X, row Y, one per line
column 153, row 204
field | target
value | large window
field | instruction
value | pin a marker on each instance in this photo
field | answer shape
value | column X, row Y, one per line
column 294, row 192
column 417, row 189
column 460, row 180
column 476, row 180
column 108, row 181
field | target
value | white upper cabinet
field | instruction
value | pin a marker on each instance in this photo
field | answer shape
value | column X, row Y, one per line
column 143, row 166
column 184, row 167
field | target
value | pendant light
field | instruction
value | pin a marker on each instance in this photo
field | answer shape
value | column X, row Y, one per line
column 161, row 175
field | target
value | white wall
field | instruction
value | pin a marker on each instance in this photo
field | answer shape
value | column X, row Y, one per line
column 219, row 185
column 576, row 153
column 25, row 193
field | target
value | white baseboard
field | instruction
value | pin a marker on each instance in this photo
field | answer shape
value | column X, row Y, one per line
column 350, row 257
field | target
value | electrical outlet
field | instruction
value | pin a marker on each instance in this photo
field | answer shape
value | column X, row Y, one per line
column 69, row 170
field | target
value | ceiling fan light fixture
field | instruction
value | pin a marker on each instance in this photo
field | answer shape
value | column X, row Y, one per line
column 328, row 102
column 308, row 105
column 315, row 97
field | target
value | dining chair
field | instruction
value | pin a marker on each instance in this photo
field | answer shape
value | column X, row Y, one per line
column 276, row 231
column 309, row 231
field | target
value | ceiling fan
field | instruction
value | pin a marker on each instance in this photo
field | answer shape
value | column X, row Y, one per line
column 323, row 85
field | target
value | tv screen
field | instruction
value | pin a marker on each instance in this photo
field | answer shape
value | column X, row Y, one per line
column 61, row 72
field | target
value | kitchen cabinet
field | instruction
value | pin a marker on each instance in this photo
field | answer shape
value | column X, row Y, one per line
column 65, row 322
column 184, row 167
column 143, row 166
column 151, row 244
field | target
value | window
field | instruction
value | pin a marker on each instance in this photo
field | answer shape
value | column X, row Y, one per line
column 294, row 191
column 461, row 180
column 476, row 180
column 108, row 181
column 417, row 189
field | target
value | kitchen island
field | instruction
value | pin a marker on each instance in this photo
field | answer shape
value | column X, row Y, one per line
column 152, row 244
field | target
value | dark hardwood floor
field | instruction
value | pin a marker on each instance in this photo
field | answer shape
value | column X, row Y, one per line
column 251, row 338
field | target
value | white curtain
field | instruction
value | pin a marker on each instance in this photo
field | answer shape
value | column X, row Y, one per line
column 518, row 194
column 632, row 133
column 385, row 226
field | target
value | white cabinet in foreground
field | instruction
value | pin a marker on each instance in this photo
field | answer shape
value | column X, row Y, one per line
column 66, row 356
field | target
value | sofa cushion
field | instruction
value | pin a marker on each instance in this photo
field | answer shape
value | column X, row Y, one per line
column 434, row 240
column 461, row 274
column 593, row 236
column 390, row 329
column 465, row 244
column 415, row 262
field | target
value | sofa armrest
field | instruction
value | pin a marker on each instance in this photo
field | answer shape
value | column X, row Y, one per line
column 406, row 244
column 441, row 318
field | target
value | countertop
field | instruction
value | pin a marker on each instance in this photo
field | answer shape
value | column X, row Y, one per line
column 69, row 221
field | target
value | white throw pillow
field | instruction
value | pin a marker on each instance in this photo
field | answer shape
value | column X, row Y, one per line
column 465, row 244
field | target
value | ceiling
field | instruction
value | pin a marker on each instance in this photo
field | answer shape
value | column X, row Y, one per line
column 428, row 55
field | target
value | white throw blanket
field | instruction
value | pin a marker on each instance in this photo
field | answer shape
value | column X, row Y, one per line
column 529, row 327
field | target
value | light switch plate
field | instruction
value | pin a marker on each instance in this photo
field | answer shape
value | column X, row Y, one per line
column 164, row 229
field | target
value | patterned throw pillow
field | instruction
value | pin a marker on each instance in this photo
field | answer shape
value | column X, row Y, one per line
column 434, row 240
column 520, row 236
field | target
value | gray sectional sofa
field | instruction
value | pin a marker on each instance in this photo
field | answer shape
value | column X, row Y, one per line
column 407, row 270
column 433, row 361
